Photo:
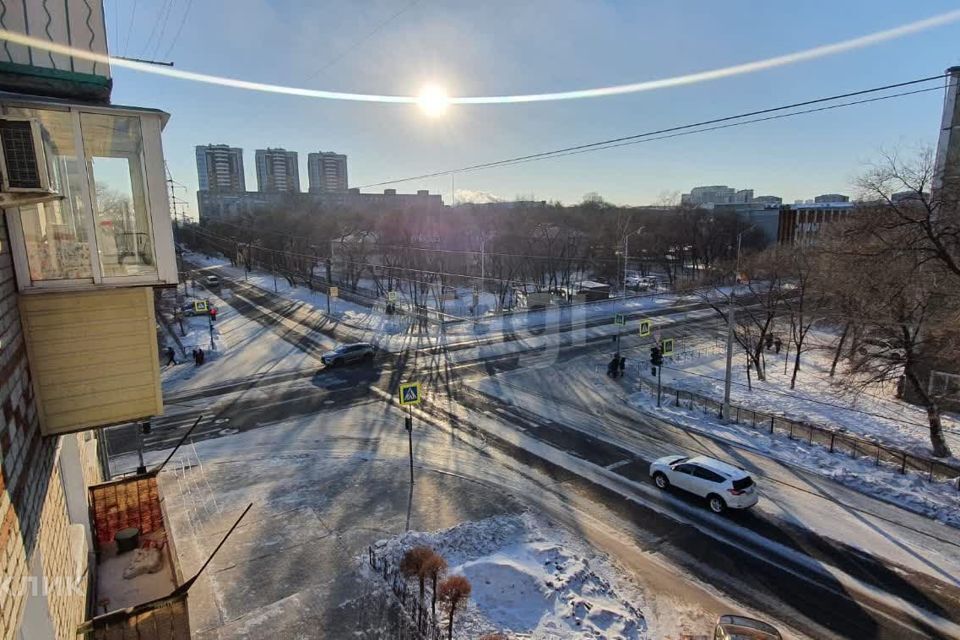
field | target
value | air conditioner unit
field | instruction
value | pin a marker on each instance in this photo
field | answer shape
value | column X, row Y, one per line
column 24, row 169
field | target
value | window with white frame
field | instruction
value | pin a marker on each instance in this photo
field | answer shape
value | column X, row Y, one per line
column 105, row 228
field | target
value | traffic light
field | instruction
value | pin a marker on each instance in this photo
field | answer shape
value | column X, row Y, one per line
column 656, row 356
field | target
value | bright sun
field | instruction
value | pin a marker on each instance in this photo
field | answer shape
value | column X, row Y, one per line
column 433, row 100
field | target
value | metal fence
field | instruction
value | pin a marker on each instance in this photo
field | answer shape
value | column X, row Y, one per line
column 834, row 440
column 417, row 621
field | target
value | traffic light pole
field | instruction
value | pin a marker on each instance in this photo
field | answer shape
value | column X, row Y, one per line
column 659, row 371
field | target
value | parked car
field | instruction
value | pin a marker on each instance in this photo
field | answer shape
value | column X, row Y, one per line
column 211, row 282
column 722, row 485
column 731, row 627
column 347, row 353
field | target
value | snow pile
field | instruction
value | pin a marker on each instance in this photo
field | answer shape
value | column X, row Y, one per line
column 530, row 577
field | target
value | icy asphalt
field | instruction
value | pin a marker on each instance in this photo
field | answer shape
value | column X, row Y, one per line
column 884, row 571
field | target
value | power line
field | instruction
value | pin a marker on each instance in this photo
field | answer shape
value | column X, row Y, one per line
column 164, row 11
column 183, row 21
column 361, row 40
column 659, row 132
column 133, row 13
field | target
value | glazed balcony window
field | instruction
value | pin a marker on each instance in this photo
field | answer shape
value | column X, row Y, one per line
column 109, row 224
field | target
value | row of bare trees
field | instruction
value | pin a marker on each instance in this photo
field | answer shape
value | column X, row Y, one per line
column 886, row 280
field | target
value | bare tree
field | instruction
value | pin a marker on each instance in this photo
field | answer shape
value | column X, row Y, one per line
column 452, row 592
column 919, row 219
column 905, row 313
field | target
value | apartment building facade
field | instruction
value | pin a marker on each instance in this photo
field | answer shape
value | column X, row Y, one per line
column 220, row 168
column 85, row 235
column 277, row 170
column 327, row 172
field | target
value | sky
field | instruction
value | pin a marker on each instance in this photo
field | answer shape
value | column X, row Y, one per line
column 501, row 47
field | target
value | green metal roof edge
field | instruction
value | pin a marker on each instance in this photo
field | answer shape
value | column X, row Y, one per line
column 56, row 74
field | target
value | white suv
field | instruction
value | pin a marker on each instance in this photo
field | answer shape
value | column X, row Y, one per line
column 723, row 485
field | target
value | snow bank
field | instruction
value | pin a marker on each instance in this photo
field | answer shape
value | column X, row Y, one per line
column 530, row 577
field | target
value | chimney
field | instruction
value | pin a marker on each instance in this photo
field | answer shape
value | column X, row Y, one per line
column 946, row 170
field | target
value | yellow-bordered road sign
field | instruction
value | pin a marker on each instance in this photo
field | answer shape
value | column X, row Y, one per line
column 391, row 296
column 334, row 292
column 200, row 306
column 620, row 319
column 646, row 327
column 666, row 346
column 410, row 394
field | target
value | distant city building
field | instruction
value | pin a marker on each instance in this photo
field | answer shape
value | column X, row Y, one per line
column 831, row 197
column 327, row 172
column 710, row 196
column 768, row 200
column 760, row 215
column 277, row 170
column 803, row 224
column 220, row 168
column 221, row 205
column 906, row 196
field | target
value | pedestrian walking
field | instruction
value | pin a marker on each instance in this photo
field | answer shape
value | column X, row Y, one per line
column 201, row 356
column 777, row 343
column 623, row 366
column 196, row 357
column 612, row 367
column 769, row 341
column 213, row 314
column 171, row 356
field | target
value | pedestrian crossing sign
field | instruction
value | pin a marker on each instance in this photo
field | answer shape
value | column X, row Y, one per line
column 619, row 320
column 334, row 292
column 646, row 326
column 391, row 296
column 410, row 394
column 200, row 306
column 666, row 346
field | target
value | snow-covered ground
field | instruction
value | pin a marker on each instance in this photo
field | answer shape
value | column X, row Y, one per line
column 818, row 399
column 529, row 576
column 375, row 322
column 242, row 347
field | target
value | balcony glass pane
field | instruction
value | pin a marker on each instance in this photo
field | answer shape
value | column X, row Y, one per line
column 57, row 243
column 113, row 148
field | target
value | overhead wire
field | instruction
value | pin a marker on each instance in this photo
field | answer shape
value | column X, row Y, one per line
column 133, row 13
column 685, row 129
column 356, row 43
column 176, row 36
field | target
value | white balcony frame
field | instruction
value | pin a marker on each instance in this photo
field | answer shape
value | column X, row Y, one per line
column 155, row 197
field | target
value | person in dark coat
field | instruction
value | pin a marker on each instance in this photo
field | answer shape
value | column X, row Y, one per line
column 623, row 365
column 201, row 356
column 777, row 343
column 612, row 367
column 171, row 356
column 196, row 357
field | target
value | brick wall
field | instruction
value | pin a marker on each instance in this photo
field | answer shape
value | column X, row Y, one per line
column 33, row 514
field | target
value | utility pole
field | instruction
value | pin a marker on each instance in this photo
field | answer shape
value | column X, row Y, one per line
column 409, row 424
column 730, row 320
column 623, row 292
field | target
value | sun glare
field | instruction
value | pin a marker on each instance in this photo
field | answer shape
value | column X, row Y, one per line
column 433, row 100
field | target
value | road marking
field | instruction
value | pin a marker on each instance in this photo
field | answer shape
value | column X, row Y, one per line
column 617, row 465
